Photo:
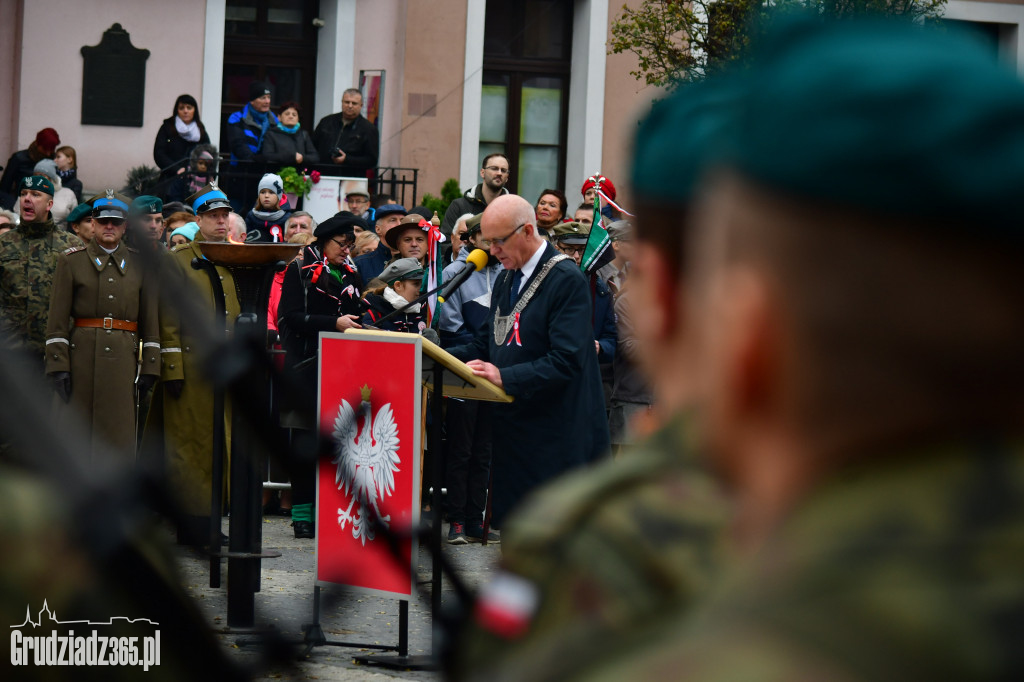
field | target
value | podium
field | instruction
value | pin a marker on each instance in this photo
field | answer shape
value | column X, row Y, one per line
column 356, row 368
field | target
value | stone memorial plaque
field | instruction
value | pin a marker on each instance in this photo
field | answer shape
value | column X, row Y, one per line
column 114, row 81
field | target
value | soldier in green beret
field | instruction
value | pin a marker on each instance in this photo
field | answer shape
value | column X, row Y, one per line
column 28, row 260
column 146, row 223
column 596, row 555
column 80, row 220
column 857, row 322
column 103, row 307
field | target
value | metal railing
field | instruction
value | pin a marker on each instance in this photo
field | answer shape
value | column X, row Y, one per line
column 240, row 180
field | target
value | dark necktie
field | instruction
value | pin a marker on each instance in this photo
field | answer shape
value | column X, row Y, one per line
column 517, row 278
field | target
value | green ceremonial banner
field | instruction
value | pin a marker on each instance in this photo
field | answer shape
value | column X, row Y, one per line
column 597, row 243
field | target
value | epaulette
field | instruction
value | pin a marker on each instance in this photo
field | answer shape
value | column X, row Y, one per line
column 179, row 247
column 73, row 249
column 131, row 249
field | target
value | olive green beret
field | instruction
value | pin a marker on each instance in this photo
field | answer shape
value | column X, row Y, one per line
column 81, row 211
column 888, row 117
column 676, row 139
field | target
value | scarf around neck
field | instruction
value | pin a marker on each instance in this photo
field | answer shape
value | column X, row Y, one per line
column 397, row 301
column 66, row 175
column 291, row 130
column 269, row 216
column 188, row 131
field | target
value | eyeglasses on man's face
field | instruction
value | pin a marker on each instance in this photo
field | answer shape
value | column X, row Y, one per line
column 496, row 169
column 487, row 243
column 571, row 249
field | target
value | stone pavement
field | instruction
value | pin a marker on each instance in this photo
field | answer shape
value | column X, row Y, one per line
column 285, row 600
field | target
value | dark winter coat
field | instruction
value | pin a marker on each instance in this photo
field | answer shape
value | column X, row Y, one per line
column 470, row 202
column 312, row 300
column 20, row 165
column 245, row 135
column 170, row 147
column 557, row 421
column 359, row 140
column 403, row 322
column 281, row 147
column 373, row 263
column 258, row 230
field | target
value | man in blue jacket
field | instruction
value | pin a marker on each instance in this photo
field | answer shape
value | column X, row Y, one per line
column 247, row 127
column 538, row 345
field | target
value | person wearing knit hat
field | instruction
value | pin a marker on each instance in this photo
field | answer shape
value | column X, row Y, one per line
column 247, row 128
column 402, row 280
column 265, row 222
column 184, row 234
column 23, row 162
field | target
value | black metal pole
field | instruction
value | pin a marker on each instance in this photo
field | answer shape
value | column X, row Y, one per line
column 403, row 628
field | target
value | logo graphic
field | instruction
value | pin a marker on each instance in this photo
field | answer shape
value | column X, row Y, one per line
column 367, row 459
column 92, row 649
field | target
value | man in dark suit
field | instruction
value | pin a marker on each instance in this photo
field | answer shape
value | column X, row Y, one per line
column 538, row 345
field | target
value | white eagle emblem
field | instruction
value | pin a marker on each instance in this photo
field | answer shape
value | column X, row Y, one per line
column 367, row 460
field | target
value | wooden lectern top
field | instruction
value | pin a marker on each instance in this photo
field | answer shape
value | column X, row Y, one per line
column 459, row 380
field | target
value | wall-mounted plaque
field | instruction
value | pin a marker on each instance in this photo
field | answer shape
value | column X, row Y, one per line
column 114, row 81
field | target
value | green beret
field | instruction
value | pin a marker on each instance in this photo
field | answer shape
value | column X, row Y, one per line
column 146, row 204
column 81, row 211
column 675, row 141
column 888, row 117
column 40, row 183
column 571, row 233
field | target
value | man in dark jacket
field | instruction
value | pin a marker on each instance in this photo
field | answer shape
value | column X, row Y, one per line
column 537, row 345
column 348, row 139
column 247, row 127
column 494, row 173
column 372, row 264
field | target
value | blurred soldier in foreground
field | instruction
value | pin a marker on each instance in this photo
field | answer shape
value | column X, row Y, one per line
column 103, row 305
column 28, row 260
column 857, row 320
column 596, row 555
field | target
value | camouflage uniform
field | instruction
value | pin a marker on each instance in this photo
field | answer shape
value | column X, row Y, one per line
column 605, row 550
column 906, row 569
column 28, row 260
column 90, row 283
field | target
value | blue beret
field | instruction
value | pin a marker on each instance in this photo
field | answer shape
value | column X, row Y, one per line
column 676, row 140
column 887, row 117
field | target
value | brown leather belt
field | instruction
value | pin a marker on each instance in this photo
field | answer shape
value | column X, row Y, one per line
column 107, row 323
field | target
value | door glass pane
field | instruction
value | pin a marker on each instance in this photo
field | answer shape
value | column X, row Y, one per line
column 284, row 20
column 236, row 82
column 541, row 111
column 538, row 170
column 494, row 109
column 240, row 18
column 544, row 34
column 286, row 82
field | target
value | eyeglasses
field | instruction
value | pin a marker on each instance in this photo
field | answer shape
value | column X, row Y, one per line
column 343, row 244
column 495, row 169
column 487, row 243
column 109, row 221
column 357, row 200
column 569, row 249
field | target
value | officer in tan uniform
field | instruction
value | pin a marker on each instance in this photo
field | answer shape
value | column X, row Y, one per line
column 186, row 403
column 102, row 306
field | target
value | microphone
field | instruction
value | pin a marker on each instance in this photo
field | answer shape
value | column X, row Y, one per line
column 476, row 260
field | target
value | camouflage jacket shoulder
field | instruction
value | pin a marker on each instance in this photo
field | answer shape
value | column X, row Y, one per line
column 907, row 568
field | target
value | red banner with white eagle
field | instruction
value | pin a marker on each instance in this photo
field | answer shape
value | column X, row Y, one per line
column 368, row 485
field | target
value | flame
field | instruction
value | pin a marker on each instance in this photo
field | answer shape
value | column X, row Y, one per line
column 235, row 241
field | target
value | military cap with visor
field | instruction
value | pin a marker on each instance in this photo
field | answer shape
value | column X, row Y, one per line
column 473, row 225
column 570, row 233
column 402, row 269
column 208, row 198
column 110, row 205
